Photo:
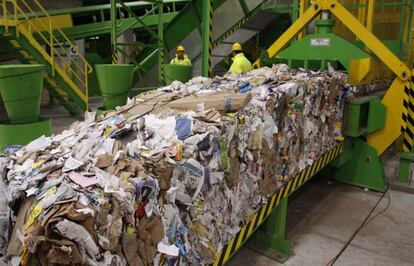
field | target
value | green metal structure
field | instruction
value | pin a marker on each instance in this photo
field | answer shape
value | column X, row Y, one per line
column 358, row 163
column 406, row 167
column 91, row 21
column 115, row 83
column 202, row 22
column 73, row 104
column 177, row 72
column 272, row 234
column 311, row 51
column 22, row 134
column 363, row 115
column 20, row 89
column 316, row 50
column 207, row 33
column 166, row 25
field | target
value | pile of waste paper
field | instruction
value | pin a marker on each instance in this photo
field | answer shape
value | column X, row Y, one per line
column 170, row 177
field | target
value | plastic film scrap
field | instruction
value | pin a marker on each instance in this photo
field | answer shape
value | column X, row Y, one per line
column 170, row 177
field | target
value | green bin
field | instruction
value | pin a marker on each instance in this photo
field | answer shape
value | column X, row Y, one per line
column 23, row 133
column 177, row 72
column 115, row 83
column 20, row 88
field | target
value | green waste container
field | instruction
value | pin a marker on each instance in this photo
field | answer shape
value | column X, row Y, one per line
column 20, row 88
column 177, row 72
column 115, row 83
column 23, row 133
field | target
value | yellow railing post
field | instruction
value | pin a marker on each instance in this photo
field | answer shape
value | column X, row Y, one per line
column 5, row 15
column 302, row 9
column 370, row 15
column 52, row 52
column 15, row 16
column 86, row 86
column 33, row 23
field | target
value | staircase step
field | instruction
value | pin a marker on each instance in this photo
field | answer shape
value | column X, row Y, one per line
column 29, row 50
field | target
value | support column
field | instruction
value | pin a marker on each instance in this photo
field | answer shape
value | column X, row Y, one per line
column 272, row 234
column 160, row 44
column 302, row 8
column 113, row 31
column 127, row 37
column 370, row 15
column 207, row 38
column 403, row 23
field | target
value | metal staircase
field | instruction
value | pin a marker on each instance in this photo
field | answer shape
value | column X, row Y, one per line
column 241, row 32
column 89, row 21
column 31, row 32
column 233, row 20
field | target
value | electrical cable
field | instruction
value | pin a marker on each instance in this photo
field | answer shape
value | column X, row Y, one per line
column 366, row 221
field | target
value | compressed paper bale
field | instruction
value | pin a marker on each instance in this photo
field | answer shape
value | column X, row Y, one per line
column 104, row 161
column 15, row 247
column 212, row 178
column 78, row 234
column 129, row 244
column 223, row 101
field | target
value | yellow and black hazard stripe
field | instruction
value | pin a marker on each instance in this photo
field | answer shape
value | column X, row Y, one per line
column 231, row 31
column 265, row 210
column 161, row 68
column 405, row 104
column 210, row 39
column 408, row 116
column 114, row 57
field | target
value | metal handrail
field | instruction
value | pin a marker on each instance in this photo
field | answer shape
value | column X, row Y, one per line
column 50, row 42
column 62, row 34
column 35, row 23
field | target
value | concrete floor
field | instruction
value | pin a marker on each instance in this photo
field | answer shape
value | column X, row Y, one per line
column 322, row 215
column 61, row 120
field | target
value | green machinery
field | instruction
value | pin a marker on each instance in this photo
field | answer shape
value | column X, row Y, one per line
column 369, row 55
column 35, row 35
column 28, row 30
column 20, row 89
column 115, row 83
column 371, row 124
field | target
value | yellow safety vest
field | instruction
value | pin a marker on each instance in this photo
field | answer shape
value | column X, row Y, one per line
column 240, row 64
column 185, row 61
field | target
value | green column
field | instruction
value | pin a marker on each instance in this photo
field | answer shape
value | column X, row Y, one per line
column 405, row 169
column 403, row 17
column 360, row 165
column 295, row 10
column 207, row 37
column 272, row 233
column 113, row 30
column 160, row 44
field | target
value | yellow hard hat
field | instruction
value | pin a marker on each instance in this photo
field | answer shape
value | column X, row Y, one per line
column 236, row 47
column 180, row 48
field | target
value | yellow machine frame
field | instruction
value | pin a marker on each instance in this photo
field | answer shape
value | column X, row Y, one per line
column 399, row 97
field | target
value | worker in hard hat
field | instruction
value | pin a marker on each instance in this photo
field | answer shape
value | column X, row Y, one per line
column 240, row 63
column 181, row 58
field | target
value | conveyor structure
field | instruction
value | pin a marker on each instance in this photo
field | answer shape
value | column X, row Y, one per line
column 36, row 35
column 371, row 124
column 28, row 30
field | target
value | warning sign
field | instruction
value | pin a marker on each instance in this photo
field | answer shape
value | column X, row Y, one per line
column 320, row 42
